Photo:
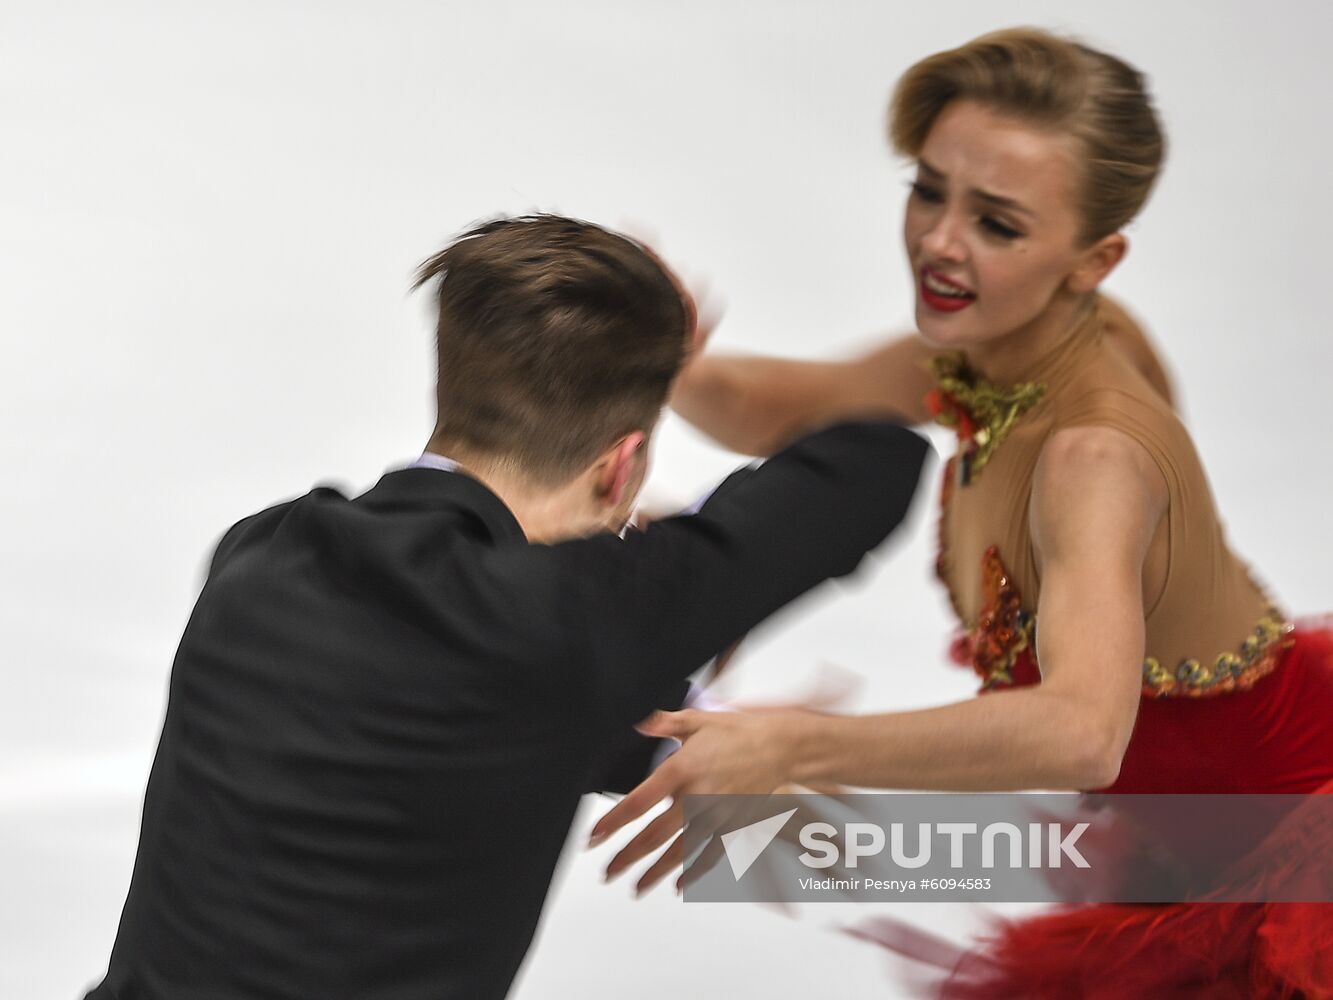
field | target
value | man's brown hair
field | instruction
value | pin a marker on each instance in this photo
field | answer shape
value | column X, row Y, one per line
column 555, row 338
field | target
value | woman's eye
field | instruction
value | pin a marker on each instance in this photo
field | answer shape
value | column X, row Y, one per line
column 999, row 228
column 926, row 193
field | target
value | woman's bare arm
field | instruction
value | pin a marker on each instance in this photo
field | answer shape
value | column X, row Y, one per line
column 1096, row 502
column 756, row 405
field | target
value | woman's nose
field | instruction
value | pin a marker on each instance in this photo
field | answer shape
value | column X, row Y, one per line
column 942, row 240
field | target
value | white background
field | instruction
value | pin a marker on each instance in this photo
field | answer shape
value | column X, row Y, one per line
column 209, row 216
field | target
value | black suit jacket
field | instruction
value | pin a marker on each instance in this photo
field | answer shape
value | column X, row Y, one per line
column 384, row 710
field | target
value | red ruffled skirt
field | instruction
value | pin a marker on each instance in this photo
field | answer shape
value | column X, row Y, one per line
column 1275, row 738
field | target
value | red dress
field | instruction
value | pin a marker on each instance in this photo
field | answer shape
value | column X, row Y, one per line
column 1278, row 738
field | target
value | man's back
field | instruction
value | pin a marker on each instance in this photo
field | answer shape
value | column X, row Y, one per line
column 354, row 716
column 384, row 711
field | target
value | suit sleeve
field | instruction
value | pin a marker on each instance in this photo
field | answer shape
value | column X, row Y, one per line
column 628, row 757
column 652, row 607
column 226, row 544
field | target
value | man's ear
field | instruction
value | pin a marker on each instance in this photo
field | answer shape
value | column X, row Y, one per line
column 615, row 469
column 1099, row 260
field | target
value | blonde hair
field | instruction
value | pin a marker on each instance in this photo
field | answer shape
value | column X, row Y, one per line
column 1054, row 83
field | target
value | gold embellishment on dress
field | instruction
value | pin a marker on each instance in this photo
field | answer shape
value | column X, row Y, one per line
column 979, row 411
column 1259, row 655
column 1004, row 629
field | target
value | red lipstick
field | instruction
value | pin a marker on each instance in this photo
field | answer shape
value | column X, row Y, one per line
column 939, row 300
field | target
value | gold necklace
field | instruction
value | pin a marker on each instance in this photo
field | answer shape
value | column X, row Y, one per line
column 979, row 411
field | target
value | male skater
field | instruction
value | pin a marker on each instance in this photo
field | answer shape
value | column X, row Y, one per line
column 384, row 710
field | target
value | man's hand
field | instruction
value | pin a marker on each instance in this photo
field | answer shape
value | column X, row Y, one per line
column 722, row 753
column 705, row 314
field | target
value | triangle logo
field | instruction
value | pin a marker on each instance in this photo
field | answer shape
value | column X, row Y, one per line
column 744, row 846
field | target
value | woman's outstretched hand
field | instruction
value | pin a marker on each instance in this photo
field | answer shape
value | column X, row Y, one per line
column 722, row 753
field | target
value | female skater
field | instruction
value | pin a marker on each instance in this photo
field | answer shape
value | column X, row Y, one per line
column 1119, row 644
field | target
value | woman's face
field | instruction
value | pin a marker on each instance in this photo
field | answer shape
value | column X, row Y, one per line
column 992, row 225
